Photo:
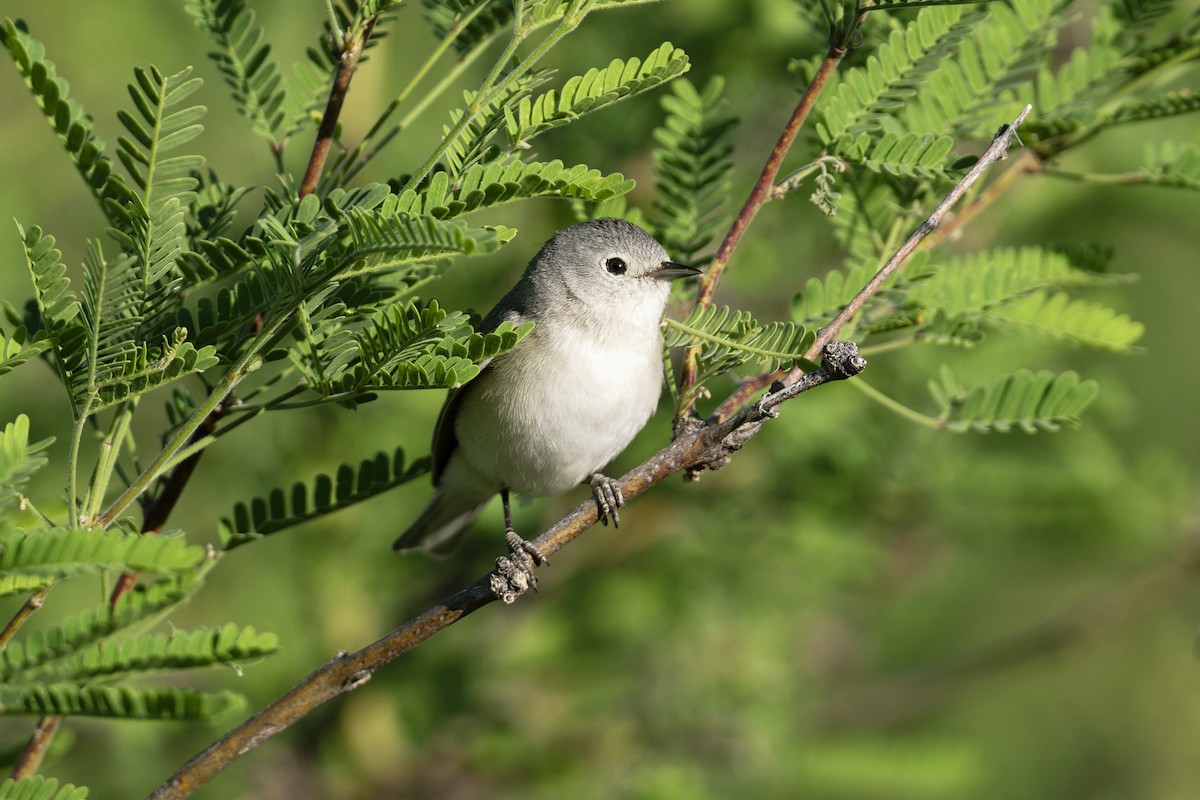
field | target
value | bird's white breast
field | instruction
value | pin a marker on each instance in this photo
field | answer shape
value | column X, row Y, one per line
column 563, row 403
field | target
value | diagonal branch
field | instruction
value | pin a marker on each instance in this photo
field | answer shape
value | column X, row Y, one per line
column 697, row 446
column 998, row 150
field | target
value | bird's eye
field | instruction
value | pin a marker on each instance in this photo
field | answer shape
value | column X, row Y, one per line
column 615, row 265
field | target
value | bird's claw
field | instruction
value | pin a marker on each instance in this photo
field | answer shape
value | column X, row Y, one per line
column 608, row 498
column 514, row 574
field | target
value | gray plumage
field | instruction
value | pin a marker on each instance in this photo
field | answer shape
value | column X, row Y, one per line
column 559, row 406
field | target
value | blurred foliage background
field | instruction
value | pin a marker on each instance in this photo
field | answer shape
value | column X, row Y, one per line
column 856, row 608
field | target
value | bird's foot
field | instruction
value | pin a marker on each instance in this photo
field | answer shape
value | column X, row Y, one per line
column 608, row 498
column 514, row 573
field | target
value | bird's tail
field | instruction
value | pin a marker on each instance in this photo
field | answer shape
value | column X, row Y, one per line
column 440, row 525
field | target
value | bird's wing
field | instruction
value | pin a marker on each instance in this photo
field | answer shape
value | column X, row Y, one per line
column 445, row 441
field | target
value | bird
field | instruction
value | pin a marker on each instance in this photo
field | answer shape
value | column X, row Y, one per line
column 554, row 410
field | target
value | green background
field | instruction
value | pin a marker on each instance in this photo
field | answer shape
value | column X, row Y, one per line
column 855, row 608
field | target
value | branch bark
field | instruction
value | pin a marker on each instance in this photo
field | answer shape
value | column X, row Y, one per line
column 347, row 64
column 697, row 446
column 30, row 759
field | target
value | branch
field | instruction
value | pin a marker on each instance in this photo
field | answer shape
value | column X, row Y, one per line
column 31, row 757
column 704, row 446
column 998, row 150
column 333, row 108
column 31, row 605
column 763, row 191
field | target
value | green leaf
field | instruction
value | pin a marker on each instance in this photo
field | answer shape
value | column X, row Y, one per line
column 975, row 284
column 1135, row 16
column 157, row 222
column 245, row 62
column 823, row 298
column 1170, row 104
column 38, row 787
column 595, row 89
column 1080, row 321
column 143, row 603
column 476, row 142
column 36, row 558
column 18, row 458
column 989, row 78
column 118, row 657
column 868, row 96
column 387, row 239
column 350, row 485
column 485, row 186
column 444, row 15
column 404, row 346
column 1171, row 164
column 910, row 155
column 20, row 347
column 1032, row 402
column 730, row 339
column 868, row 212
column 693, row 168
column 57, row 304
column 122, row 702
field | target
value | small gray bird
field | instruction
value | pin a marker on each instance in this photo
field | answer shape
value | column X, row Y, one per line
column 550, row 413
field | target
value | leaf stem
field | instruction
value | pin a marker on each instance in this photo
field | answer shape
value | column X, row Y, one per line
column 1120, row 178
column 32, row 604
column 73, row 461
column 895, row 405
column 110, row 451
column 427, row 99
column 702, row 335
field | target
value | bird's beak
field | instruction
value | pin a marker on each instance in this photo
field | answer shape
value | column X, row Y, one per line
column 669, row 271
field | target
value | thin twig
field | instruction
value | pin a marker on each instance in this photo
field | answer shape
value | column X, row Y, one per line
column 31, row 605
column 1025, row 163
column 927, row 230
column 996, row 151
column 30, row 760
column 762, row 192
column 333, row 108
